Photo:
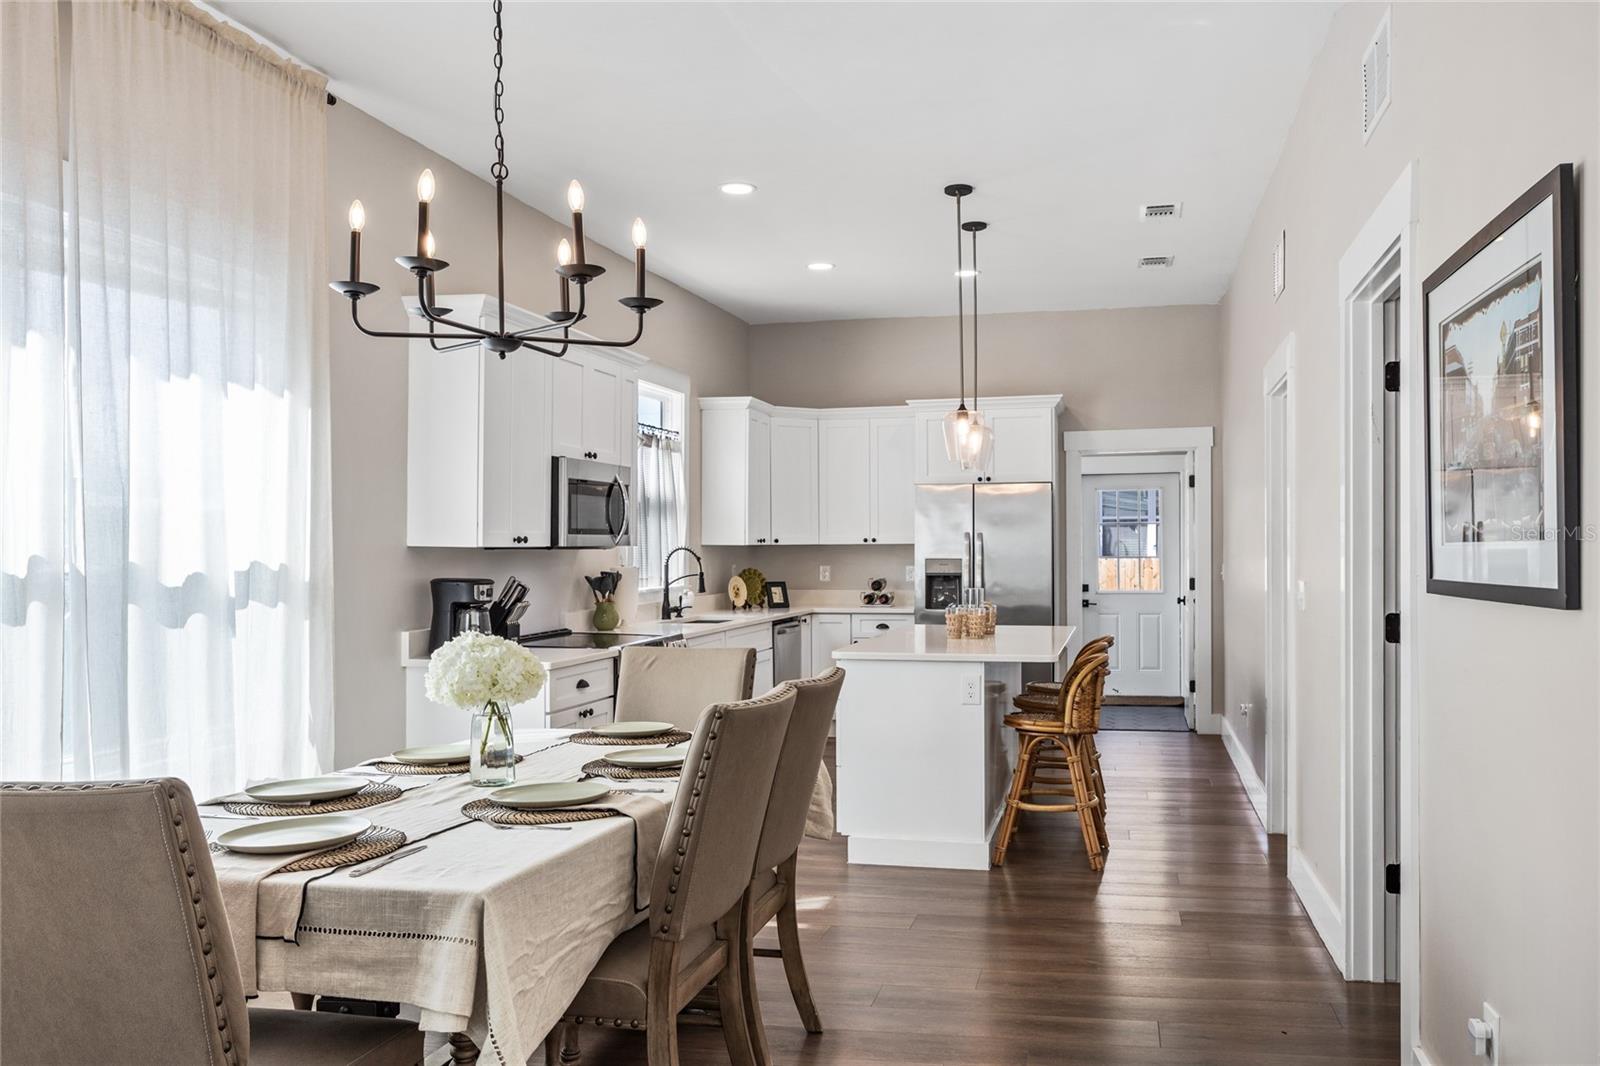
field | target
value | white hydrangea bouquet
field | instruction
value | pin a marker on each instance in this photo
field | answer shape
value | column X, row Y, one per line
column 486, row 675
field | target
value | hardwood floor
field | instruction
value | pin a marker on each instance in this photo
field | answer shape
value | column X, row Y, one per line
column 1189, row 948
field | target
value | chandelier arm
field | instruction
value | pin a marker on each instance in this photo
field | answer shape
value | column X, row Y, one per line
column 532, row 347
column 453, row 347
column 356, row 318
column 544, row 328
column 433, row 319
column 565, row 327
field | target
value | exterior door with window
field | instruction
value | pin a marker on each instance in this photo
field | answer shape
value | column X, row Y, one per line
column 1132, row 538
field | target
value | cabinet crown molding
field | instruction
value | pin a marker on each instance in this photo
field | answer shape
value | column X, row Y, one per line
column 1054, row 401
column 752, row 403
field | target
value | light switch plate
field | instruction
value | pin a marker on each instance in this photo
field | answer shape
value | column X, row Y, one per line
column 1492, row 1017
column 825, row 574
column 1300, row 594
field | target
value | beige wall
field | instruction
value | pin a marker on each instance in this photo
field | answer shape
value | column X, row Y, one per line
column 380, row 585
column 1487, row 98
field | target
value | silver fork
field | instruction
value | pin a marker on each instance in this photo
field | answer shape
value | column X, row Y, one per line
column 498, row 825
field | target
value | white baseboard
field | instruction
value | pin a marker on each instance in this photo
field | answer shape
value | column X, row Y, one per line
column 1326, row 915
column 1253, row 786
column 1419, row 1057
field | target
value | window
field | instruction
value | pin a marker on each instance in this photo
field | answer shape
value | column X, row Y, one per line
column 661, row 510
column 1130, row 540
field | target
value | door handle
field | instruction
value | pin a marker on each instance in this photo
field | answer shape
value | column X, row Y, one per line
column 971, row 561
column 1183, row 599
column 982, row 563
column 1090, row 603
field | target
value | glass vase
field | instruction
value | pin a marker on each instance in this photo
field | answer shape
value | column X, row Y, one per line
column 492, row 749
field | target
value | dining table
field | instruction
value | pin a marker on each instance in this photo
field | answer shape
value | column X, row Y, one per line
column 488, row 932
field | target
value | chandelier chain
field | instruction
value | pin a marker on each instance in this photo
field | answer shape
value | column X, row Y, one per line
column 499, row 171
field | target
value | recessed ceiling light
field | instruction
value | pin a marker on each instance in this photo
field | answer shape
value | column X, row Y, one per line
column 737, row 188
column 969, row 273
column 819, row 267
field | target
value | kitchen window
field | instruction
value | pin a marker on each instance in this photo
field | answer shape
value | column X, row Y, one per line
column 661, row 512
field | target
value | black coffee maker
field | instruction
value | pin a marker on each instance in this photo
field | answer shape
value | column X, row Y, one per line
column 459, row 604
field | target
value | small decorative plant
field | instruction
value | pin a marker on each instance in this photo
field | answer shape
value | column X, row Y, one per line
column 486, row 675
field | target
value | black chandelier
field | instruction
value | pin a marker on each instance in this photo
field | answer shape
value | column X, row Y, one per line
column 571, row 265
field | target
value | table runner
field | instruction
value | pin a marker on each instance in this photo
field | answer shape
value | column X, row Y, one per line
column 488, row 931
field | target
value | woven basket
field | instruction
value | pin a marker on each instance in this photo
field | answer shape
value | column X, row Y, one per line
column 369, row 796
column 487, row 810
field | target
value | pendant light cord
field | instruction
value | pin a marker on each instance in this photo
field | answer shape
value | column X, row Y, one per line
column 961, row 327
column 975, row 317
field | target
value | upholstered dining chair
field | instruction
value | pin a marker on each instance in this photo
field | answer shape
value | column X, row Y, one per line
column 772, row 889
column 698, row 895
column 676, row 684
column 116, row 949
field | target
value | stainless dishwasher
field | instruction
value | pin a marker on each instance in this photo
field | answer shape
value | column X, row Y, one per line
column 786, row 664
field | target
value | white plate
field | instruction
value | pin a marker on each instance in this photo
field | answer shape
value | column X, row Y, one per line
column 633, row 729
column 539, row 796
column 279, row 836
column 432, row 754
column 650, row 758
column 307, row 789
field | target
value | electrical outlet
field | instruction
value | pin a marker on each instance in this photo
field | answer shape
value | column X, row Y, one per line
column 1245, row 709
column 1300, row 594
column 911, row 572
column 824, row 574
column 972, row 690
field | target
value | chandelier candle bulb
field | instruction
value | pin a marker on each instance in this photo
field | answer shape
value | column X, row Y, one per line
column 358, row 221
column 575, row 201
column 638, row 257
column 425, row 190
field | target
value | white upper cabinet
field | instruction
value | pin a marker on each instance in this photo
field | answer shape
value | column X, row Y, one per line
column 591, row 416
column 480, row 432
column 785, row 475
column 846, row 488
column 893, row 479
column 1025, row 441
column 793, row 484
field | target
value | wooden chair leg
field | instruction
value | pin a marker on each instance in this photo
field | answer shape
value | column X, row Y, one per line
column 747, row 988
column 463, row 1052
column 794, row 963
column 552, row 1044
column 1098, row 781
column 732, row 990
column 1019, row 779
column 302, row 1000
column 661, row 1037
column 1083, row 797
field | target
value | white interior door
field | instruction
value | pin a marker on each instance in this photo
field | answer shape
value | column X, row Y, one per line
column 1132, row 542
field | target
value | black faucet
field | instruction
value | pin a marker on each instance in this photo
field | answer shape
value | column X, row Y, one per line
column 667, row 610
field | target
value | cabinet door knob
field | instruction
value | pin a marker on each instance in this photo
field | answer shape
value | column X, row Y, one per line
column 583, row 682
column 776, row 541
column 883, row 625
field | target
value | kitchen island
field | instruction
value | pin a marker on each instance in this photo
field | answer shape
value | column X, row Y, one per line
column 923, row 756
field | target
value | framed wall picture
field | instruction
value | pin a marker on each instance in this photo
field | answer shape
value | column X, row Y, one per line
column 1501, row 344
column 778, row 594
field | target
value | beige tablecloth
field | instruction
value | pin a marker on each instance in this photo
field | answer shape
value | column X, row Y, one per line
column 489, row 932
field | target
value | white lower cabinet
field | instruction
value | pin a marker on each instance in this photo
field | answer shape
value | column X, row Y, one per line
column 710, row 640
column 867, row 626
column 829, row 632
column 763, row 682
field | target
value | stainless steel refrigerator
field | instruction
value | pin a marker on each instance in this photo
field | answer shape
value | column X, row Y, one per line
column 999, row 536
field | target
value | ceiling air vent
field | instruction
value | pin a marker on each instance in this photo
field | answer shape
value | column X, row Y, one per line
column 1160, row 212
column 1375, row 79
column 1279, row 254
column 1155, row 261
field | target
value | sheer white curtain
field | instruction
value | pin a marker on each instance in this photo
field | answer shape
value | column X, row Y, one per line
column 165, row 588
column 662, row 509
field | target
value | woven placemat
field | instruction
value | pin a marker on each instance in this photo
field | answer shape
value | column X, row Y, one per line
column 675, row 736
column 369, row 796
column 487, row 810
column 379, row 840
column 601, row 768
column 411, row 769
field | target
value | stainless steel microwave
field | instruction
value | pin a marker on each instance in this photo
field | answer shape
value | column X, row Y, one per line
column 589, row 504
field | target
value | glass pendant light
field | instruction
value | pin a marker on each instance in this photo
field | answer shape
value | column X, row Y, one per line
column 980, row 438
column 960, row 423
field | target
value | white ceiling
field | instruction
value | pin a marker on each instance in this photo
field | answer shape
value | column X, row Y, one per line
column 851, row 118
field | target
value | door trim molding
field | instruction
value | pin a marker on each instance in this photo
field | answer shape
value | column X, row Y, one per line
column 1194, row 444
column 1380, row 259
column 1279, row 378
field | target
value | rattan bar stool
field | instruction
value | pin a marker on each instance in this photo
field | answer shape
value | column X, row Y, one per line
column 1050, row 758
column 1067, row 726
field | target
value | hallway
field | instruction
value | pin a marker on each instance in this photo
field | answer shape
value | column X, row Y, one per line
column 1190, row 948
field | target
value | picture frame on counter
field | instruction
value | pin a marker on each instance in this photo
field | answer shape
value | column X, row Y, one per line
column 778, row 594
column 1501, row 351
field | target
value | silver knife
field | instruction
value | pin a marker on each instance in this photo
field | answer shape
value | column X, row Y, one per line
column 386, row 860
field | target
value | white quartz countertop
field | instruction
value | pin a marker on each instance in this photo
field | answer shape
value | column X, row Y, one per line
column 414, row 643
column 1010, row 644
